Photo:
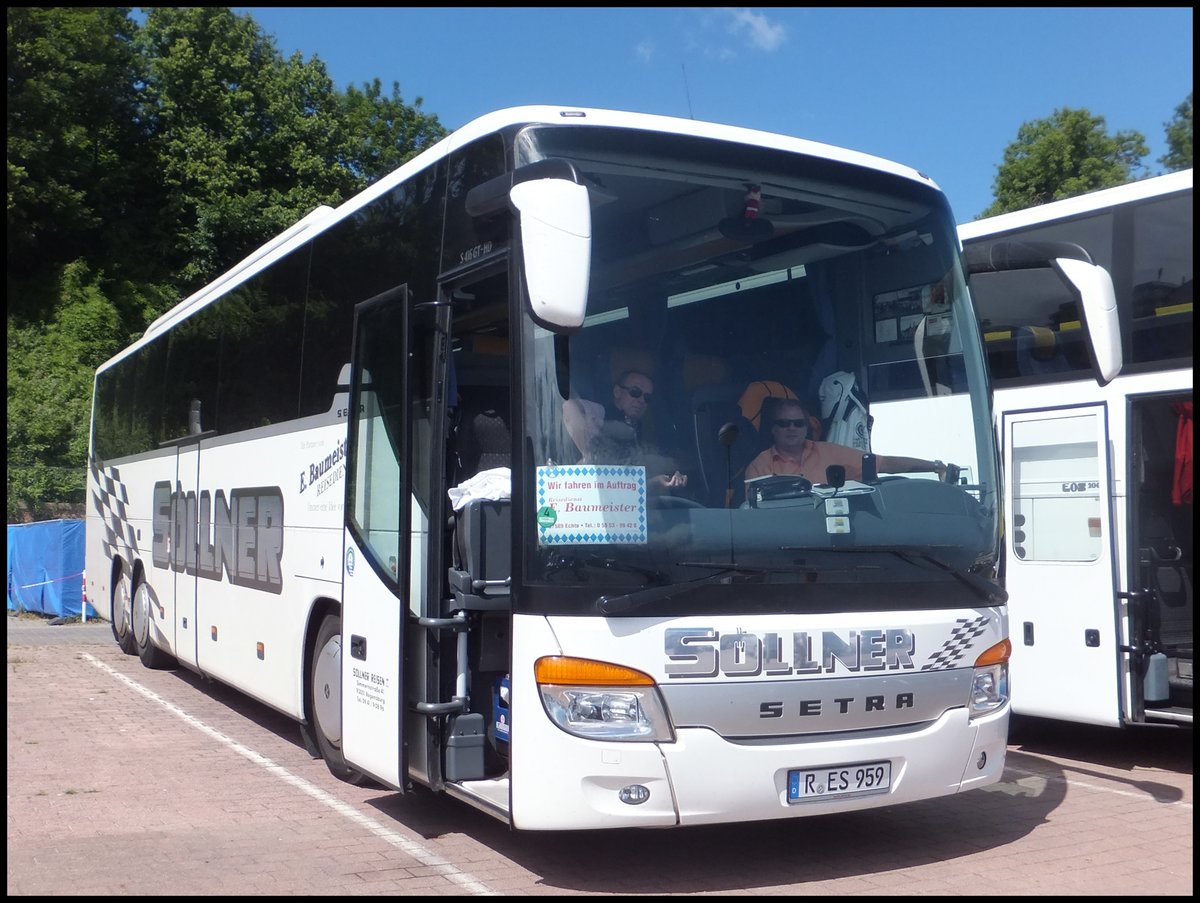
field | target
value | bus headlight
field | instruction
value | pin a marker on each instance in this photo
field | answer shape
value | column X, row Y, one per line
column 601, row 701
column 989, row 684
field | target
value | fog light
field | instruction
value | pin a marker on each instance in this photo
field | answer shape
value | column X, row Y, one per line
column 982, row 761
column 634, row 794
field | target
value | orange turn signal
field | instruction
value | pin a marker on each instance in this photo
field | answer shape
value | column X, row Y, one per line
column 564, row 670
column 996, row 655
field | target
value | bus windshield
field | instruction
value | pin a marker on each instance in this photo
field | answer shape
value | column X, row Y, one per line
column 706, row 427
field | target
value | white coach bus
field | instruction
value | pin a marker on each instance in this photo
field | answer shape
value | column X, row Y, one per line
column 1098, row 507
column 340, row 478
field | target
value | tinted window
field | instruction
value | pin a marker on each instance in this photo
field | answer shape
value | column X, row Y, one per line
column 193, row 360
column 127, row 416
column 148, row 388
column 1032, row 327
column 469, row 238
column 261, row 328
column 392, row 242
column 1158, row 295
column 110, row 426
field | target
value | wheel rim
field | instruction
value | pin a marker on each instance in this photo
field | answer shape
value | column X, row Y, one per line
column 327, row 690
column 141, row 614
column 121, row 607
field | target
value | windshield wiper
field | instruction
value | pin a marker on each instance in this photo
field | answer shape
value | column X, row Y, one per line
column 576, row 565
column 619, row 605
column 985, row 589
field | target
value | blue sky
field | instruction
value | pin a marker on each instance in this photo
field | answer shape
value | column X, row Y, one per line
column 942, row 90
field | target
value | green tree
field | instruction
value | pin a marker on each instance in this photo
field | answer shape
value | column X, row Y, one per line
column 77, row 160
column 1068, row 154
column 244, row 138
column 143, row 161
column 1179, row 138
column 382, row 133
column 50, row 390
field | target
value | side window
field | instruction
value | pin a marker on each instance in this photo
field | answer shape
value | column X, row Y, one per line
column 470, row 238
column 480, row 428
column 146, row 426
column 391, row 241
column 114, row 388
column 262, row 322
column 377, row 428
column 1032, row 328
column 1160, row 297
column 190, row 387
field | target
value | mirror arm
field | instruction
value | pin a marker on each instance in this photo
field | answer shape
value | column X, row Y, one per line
column 1021, row 255
column 492, row 195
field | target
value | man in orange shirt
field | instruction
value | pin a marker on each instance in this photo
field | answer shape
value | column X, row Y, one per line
column 795, row 454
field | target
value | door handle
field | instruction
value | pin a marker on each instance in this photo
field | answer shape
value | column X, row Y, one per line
column 358, row 647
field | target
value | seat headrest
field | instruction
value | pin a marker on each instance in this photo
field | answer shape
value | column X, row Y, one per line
column 751, row 400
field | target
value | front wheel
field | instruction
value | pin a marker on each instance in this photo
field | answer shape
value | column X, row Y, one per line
column 144, row 603
column 325, row 700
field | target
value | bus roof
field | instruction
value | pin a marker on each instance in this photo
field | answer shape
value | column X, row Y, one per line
column 1084, row 203
column 323, row 218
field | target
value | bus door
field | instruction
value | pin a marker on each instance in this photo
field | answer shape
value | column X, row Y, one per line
column 1159, row 555
column 164, row 600
column 377, row 565
column 1060, row 565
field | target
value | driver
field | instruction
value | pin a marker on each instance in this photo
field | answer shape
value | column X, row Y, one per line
column 794, row 453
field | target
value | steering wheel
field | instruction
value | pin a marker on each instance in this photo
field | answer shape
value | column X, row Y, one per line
column 665, row 500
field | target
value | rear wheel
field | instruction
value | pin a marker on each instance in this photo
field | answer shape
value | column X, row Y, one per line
column 122, row 614
column 144, row 604
column 325, row 701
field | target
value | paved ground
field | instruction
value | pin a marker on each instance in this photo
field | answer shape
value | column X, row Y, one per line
column 128, row 781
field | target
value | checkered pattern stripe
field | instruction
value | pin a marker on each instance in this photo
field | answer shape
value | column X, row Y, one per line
column 110, row 499
column 954, row 648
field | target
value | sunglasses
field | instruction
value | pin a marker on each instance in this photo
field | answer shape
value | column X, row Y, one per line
column 637, row 392
column 784, row 424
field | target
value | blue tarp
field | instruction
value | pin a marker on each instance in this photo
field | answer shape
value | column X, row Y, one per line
column 45, row 568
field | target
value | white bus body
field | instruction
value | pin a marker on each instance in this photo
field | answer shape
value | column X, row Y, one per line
column 1098, row 554
column 343, row 479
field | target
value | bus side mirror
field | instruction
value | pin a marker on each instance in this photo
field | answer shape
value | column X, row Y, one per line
column 556, row 241
column 1098, row 299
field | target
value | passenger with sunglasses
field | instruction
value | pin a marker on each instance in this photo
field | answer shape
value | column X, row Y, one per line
column 614, row 433
column 794, row 453
column 631, row 397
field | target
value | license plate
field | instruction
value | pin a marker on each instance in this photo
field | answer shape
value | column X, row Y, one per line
column 838, row 780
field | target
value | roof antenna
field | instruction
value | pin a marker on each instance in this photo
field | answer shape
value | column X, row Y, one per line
column 686, row 90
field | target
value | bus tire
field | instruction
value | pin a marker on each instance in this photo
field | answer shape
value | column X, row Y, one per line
column 325, row 690
column 143, row 603
column 122, row 613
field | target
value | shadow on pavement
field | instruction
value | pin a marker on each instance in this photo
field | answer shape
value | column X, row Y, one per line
column 785, row 851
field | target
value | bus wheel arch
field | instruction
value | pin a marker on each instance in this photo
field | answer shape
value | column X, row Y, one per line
column 323, row 678
column 121, row 609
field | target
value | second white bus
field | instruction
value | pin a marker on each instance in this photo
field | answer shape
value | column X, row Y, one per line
column 1098, row 505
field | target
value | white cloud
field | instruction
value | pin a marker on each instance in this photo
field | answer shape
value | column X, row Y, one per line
column 756, row 29
column 718, row 53
column 644, row 51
